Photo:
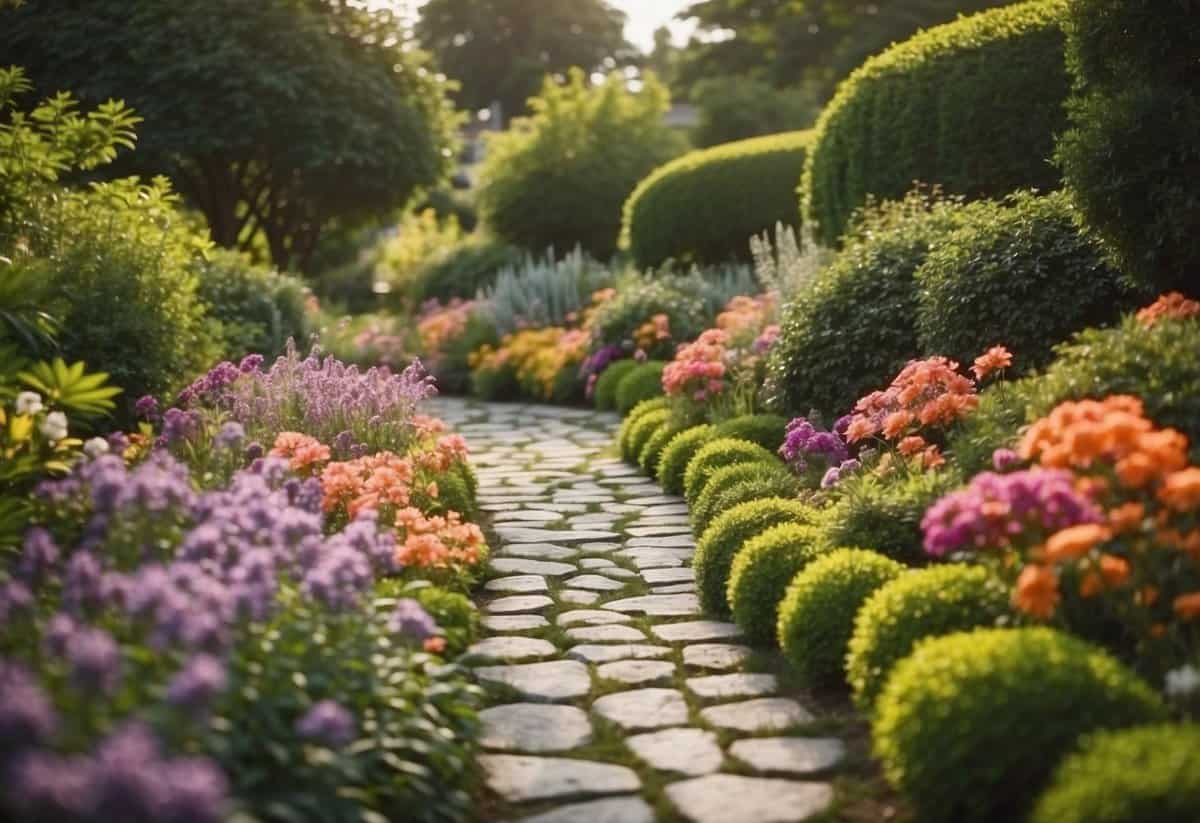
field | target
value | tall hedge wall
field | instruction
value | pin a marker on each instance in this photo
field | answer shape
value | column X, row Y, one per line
column 705, row 206
column 972, row 106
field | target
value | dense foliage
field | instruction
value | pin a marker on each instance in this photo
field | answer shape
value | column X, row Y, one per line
column 760, row 574
column 257, row 310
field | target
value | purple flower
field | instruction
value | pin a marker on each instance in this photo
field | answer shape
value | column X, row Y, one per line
column 411, row 620
column 230, row 436
column 46, row 786
column 15, row 599
column 327, row 722
column 804, row 442
column 26, row 716
column 82, row 583
column 146, row 407
column 197, row 791
column 194, row 686
column 179, row 425
column 254, row 451
column 59, row 631
column 1005, row 459
column 249, row 363
column 95, row 660
column 118, row 442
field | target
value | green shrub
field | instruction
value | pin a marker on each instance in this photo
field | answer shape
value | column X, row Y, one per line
column 884, row 513
column 722, row 451
column 456, row 491
column 970, row 725
column 1134, row 144
column 452, row 367
column 923, row 603
column 638, row 299
column 463, row 269
column 454, row 614
column 1023, row 274
column 496, row 384
column 733, row 107
column 704, row 508
column 747, row 491
column 972, row 106
column 678, row 453
column 559, row 177
column 256, row 309
column 1157, row 364
column 631, row 419
column 767, row 430
column 706, row 205
column 652, row 451
column 543, row 291
column 1140, row 774
column 642, row 383
column 816, row 617
column 604, row 393
column 854, row 328
column 643, row 430
column 760, row 574
column 726, row 536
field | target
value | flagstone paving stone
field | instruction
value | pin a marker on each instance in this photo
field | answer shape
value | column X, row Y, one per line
column 534, row 728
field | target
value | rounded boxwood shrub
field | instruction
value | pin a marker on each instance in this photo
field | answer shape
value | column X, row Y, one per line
column 631, row 419
column 971, row 725
column 816, row 617
column 643, row 430
column 1132, row 151
column 923, row 603
column 854, row 327
column 704, row 508
column 884, row 513
column 1129, row 776
column 704, row 206
column 1023, row 273
column 678, row 453
column 759, row 576
column 641, row 383
column 717, row 453
column 726, row 536
column 972, row 106
column 767, row 430
column 604, row 393
column 756, row 488
column 652, row 451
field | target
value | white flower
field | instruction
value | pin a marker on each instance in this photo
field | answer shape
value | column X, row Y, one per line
column 54, row 426
column 1183, row 681
column 29, row 402
column 95, row 447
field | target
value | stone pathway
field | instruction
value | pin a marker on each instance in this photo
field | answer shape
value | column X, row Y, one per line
column 614, row 699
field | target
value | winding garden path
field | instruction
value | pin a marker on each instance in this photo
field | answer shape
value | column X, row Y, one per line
column 613, row 700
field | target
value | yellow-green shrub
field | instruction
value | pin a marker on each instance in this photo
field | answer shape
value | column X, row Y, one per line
column 759, row 576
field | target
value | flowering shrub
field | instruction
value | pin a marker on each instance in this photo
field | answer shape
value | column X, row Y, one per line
column 1171, row 305
column 438, row 325
column 813, row 453
column 544, row 362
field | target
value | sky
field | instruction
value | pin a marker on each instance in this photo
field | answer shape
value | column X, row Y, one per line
column 647, row 15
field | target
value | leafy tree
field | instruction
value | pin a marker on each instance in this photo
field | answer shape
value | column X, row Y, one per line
column 738, row 107
column 501, row 49
column 273, row 117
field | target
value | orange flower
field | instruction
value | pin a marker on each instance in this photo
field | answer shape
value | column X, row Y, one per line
column 911, row 445
column 994, row 359
column 1036, row 592
column 1113, row 572
column 1171, row 305
column 896, row 422
column 1126, row 517
column 932, row 457
column 435, row 645
column 1187, row 606
column 1075, row 541
column 1136, row 470
column 304, row 453
column 1181, row 490
column 859, row 428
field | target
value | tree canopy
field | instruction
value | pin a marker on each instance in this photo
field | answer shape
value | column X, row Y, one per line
column 500, row 50
column 271, row 117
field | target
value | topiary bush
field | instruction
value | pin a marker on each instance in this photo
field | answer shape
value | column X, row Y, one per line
column 643, row 430
column 759, row 576
column 767, row 430
column 678, row 453
column 884, row 513
column 922, row 603
column 854, row 328
column 1129, row 776
column 1023, row 273
column 757, row 488
column 559, row 177
column 726, row 536
column 652, row 451
column 971, row 725
column 971, row 106
column 1156, row 363
column 641, row 383
column 1134, row 143
column 604, row 393
column 631, row 419
column 816, row 617
column 719, row 452
column 705, row 507
column 704, row 207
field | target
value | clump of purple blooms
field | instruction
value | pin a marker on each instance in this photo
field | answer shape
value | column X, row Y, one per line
column 807, row 447
column 327, row 722
column 996, row 511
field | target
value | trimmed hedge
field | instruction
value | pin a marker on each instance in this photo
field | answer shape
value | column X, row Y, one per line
column 726, row 536
column 759, row 576
column 758, row 488
column 1131, row 154
column 641, row 383
column 816, row 617
column 971, row 725
column 652, row 451
column 972, row 106
column 704, row 508
column 716, row 454
column 631, row 419
column 678, row 453
column 705, row 206
column 1022, row 273
column 1147, row 773
column 604, row 393
column 767, row 430
column 923, row 603
column 645, row 428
